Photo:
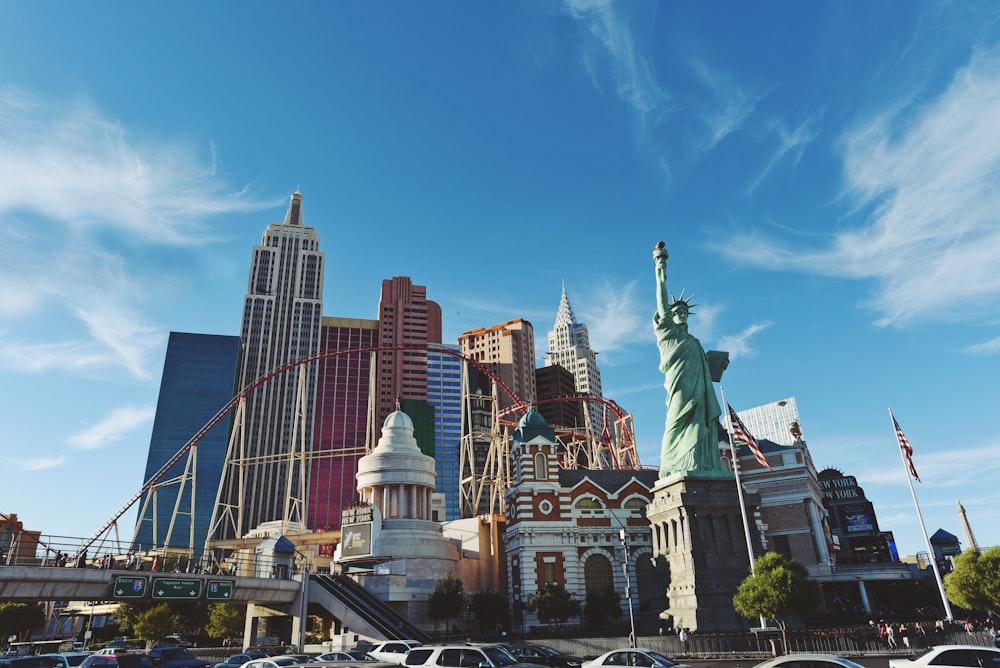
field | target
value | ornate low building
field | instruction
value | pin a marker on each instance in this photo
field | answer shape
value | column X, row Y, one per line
column 582, row 529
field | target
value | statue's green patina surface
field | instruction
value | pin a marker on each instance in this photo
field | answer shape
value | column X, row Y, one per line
column 691, row 437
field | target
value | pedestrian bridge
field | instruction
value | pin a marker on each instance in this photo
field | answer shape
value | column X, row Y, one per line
column 39, row 583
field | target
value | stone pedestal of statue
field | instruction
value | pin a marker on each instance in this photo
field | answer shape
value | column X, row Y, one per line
column 698, row 529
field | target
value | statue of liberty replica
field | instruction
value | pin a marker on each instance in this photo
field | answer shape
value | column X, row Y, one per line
column 695, row 514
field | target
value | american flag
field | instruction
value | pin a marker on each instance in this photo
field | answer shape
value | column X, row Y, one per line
column 741, row 435
column 905, row 446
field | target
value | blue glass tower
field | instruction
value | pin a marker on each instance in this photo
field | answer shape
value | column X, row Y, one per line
column 199, row 374
column 444, row 393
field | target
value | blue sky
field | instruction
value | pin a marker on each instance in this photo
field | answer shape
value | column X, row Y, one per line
column 826, row 177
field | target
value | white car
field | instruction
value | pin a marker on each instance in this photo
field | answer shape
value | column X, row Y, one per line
column 639, row 657
column 392, row 651
column 952, row 656
column 804, row 660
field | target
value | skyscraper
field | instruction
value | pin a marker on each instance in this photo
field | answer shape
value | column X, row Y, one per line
column 199, row 372
column 508, row 350
column 282, row 314
column 444, row 393
column 342, row 403
column 408, row 321
column 569, row 347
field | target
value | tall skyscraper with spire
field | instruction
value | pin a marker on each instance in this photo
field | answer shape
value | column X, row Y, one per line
column 569, row 347
column 282, row 318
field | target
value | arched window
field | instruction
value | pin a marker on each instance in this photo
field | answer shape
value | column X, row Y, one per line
column 588, row 505
column 541, row 468
column 597, row 574
column 636, row 505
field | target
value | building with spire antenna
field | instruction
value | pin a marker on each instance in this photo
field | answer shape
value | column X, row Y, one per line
column 970, row 538
column 282, row 319
column 569, row 347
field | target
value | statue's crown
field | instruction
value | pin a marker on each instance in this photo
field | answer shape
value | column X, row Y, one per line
column 681, row 301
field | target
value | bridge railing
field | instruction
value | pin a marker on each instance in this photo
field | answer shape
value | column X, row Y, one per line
column 49, row 551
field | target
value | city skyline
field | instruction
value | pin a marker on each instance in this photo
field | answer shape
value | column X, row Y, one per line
column 834, row 216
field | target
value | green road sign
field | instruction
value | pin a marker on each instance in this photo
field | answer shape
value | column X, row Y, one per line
column 129, row 587
column 219, row 590
column 176, row 588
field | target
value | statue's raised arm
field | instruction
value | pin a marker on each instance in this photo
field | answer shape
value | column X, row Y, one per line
column 662, row 296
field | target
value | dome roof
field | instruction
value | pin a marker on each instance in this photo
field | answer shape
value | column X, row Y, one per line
column 398, row 420
column 534, row 425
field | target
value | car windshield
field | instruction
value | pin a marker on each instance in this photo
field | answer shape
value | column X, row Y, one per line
column 176, row 653
column 135, row 661
column 548, row 651
column 499, row 656
column 660, row 659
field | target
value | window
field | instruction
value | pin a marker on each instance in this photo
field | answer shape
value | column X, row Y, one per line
column 541, row 470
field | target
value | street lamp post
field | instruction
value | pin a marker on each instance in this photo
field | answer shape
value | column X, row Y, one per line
column 628, row 587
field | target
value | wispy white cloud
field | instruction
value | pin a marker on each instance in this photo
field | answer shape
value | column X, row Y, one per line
column 117, row 425
column 792, row 142
column 69, row 163
column 614, row 317
column 739, row 345
column 36, row 463
column 730, row 105
column 991, row 347
column 928, row 183
column 609, row 26
column 941, row 469
column 75, row 187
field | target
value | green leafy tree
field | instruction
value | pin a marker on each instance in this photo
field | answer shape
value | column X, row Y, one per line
column 489, row 611
column 19, row 619
column 225, row 620
column 553, row 605
column 974, row 583
column 446, row 601
column 155, row 623
column 127, row 614
column 602, row 606
column 778, row 589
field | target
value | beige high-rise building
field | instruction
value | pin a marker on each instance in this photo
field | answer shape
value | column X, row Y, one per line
column 507, row 350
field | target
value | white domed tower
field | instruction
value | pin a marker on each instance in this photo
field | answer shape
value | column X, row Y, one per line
column 397, row 481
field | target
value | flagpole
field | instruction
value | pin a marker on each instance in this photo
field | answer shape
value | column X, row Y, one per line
column 739, row 488
column 923, row 528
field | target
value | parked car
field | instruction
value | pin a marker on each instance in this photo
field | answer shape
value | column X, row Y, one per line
column 345, row 655
column 234, row 661
column 272, row 662
column 35, row 661
column 176, row 657
column 69, row 659
column 120, row 660
column 464, row 656
column 949, row 656
column 352, row 662
column 809, row 661
column 545, row 656
column 392, row 651
column 640, row 657
column 261, row 651
column 111, row 650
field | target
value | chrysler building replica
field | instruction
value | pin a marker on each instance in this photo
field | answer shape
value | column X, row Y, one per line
column 569, row 347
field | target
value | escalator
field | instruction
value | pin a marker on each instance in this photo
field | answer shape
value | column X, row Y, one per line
column 365, row 608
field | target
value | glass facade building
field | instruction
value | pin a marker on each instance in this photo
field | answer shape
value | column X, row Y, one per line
column 342, row 408
column 199, row 376
column 444, row 393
